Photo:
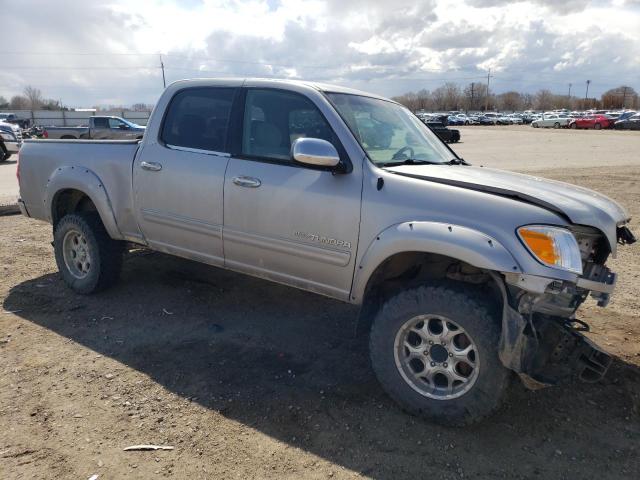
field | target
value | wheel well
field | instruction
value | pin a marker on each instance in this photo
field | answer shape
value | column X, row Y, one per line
column 70, row 201
column 407, row 269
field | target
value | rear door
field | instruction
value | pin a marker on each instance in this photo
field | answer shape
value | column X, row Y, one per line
column 99, row 128
column 284, row 221
column 179, row 179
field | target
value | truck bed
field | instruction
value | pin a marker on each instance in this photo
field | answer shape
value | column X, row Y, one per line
column 109, row 160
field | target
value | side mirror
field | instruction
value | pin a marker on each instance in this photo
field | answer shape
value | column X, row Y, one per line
column 314, row 151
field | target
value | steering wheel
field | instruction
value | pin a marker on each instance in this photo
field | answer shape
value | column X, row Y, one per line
column 401, row 152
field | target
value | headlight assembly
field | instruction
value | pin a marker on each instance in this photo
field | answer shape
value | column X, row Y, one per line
column 552, row 246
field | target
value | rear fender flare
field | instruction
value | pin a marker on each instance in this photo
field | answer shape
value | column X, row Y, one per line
column 462, row 243
column 86, row 181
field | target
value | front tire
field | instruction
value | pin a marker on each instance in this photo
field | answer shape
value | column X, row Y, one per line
column 435, row 352
column 88, row 259
column 597, row 126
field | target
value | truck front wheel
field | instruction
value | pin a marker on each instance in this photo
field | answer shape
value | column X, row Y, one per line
column 88, row 259
column 435, row 352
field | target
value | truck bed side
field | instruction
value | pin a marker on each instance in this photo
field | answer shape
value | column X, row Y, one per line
column 103, row 168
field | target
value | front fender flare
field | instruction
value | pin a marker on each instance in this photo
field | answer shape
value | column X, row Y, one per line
column 86, row 181
column 461, row 243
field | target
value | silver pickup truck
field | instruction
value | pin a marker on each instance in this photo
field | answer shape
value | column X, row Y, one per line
column 464, row 274
column 100, row 128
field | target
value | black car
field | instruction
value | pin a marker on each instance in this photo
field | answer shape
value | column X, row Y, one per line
column 632, row 123
column 447, row 135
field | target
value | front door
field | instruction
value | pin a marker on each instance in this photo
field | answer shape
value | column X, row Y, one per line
column 179, row 178
column 283, row 221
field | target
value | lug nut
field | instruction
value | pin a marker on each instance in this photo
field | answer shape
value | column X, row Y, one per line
column 430, row 342
column 450, row 354
column 433, row 364
column 445, row 365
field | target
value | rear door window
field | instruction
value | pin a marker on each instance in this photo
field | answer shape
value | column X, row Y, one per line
column 199, row 118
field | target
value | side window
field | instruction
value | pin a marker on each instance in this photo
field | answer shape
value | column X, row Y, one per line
column 115, row 123
column 100, row 123
column 274, row 119
column 199, row 118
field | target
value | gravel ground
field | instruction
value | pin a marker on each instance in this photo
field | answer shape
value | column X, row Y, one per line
column 248, row 379
column 8, row 182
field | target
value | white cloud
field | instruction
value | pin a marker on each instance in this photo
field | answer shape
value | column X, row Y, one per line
column 377, row 45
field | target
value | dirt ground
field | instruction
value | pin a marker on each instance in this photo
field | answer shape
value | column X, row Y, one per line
column 248, row 379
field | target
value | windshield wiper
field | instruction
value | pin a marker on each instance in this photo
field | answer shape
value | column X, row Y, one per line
column 414, row 161
column 409, row 161
column 457, row 161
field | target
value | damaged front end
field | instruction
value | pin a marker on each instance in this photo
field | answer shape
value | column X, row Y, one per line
column 541, row 340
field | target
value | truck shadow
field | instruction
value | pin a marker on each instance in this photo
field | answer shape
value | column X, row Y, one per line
column 287, row 364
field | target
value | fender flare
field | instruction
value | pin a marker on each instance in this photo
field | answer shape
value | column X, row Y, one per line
column 86, row 181
column 455, row 241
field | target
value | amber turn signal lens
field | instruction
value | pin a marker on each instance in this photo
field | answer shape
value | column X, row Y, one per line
column 541, row 245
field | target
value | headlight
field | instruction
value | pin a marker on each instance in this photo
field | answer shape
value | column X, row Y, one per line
column 553, row 246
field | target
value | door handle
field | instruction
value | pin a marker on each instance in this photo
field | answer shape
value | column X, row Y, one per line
column 248, row 182
column 152, row 166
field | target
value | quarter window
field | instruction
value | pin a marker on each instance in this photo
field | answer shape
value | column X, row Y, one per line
column 274, row 119
column 199, row 118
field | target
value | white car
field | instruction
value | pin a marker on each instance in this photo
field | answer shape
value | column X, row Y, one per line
column 551, row 121
column 10, row 140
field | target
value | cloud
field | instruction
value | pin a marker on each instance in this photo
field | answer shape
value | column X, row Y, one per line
column 107, row 53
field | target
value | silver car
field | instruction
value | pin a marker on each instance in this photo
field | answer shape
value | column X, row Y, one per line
column 551, row 121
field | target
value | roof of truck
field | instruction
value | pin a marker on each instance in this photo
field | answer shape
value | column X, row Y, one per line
column 323, row 87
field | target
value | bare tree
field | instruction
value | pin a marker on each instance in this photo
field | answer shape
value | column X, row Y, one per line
column 19, row 102
column 509, row 101
column 544, row 100
column 4, row 103
column 474, row 96
column 34, row 95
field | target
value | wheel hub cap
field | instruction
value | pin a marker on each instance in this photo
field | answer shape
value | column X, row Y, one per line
column 77, row 257
column 436, row 357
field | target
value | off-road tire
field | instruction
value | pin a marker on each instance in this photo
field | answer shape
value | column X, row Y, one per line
column 479, row 317
column 106, row 253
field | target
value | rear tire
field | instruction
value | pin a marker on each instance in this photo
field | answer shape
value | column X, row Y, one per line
column 88, row 259
column 457, row 401
column 573, row 126
column 597, row 126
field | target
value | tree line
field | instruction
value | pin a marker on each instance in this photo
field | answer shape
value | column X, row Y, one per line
column 475, row 97
column 31, row 99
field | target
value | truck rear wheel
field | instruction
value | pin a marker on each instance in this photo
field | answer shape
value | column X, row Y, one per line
column 435, row 352
column 88, row 259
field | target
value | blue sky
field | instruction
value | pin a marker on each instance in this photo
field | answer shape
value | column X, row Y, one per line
column 99, row 53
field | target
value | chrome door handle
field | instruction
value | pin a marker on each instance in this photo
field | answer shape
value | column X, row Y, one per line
column 152, row 166
column 248, row 182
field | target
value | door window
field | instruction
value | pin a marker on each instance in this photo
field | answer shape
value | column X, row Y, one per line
column 100, row 123
column 199, row 118
column 115, row 123
column 274, row 119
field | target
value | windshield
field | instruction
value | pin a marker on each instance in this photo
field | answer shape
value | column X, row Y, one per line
column 388, row 132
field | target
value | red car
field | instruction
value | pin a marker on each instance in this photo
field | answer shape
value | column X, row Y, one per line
column 592, row 121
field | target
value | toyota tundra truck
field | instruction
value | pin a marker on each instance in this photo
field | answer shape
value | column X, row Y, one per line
column 466, row 277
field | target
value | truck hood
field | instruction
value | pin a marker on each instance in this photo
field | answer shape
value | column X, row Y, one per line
column 579, row 205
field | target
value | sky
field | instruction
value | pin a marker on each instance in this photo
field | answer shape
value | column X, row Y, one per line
column 88, row 53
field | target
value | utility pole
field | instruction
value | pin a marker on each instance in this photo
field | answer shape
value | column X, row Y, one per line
column 569, row 97
column 624, row 96
column 569, row 92
column 586, row 94
column 486, row 103
column 164, row 82
column 472, row 86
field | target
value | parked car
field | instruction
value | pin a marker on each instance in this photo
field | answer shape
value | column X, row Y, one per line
column 504, row 120
column 12, row 118
column 631, row 123
column 516, row 119
column 596, row 122
column 455, row 120
column 464, row 274
column 484, row 120
column 10, row 140
column 100, row 128
column 551, row 121
column 492, row 116
column 448, row 135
